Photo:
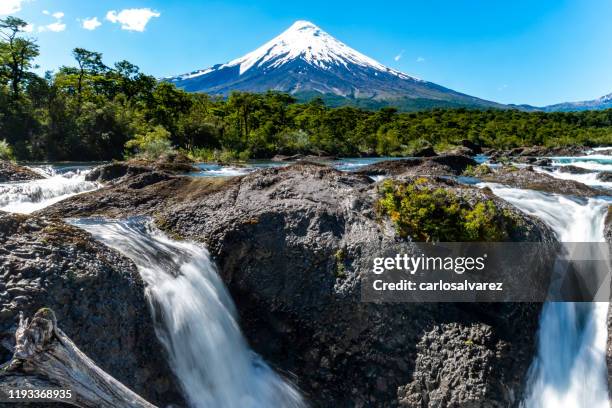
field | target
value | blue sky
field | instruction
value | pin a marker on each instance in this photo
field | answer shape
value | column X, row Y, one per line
column 537, row 52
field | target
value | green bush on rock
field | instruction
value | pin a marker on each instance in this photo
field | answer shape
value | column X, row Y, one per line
column 439, row 215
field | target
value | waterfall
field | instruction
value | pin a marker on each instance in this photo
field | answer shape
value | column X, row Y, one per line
column 570, row 366
column 29, row 196
column 195, row 320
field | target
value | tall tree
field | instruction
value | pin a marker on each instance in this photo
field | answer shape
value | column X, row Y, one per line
column 89, row 62
column 16, row 54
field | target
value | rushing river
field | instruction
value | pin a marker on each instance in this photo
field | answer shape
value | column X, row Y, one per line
column 59, row 183
column 197, row 324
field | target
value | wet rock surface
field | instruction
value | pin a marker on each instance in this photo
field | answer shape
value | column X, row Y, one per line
column 573, row 170
column 12, row 172
column 97, row 294
column 605, row 176
column 292, row 245
column 438, row 165
column 527, row 154
column 528, row 178
column 175, row 164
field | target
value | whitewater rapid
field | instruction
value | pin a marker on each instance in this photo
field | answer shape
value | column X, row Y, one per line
column 570, row 366
column 196, row 320
column 29, row 196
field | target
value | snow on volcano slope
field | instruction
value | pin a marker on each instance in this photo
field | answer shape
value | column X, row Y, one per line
column 306, row 59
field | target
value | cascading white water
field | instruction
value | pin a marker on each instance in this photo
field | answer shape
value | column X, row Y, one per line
column 570, row 367
column 196, row 320
column 28, row 196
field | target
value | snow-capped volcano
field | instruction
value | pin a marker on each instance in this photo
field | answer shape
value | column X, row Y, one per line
column 305, row 60
column 305, row 41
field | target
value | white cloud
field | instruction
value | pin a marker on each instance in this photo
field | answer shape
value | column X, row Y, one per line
column 132, row 19
column 399, row 56
column 91, row 23
column 55, row 27
column 420, row 59
column 10, row 6
column 28, row 29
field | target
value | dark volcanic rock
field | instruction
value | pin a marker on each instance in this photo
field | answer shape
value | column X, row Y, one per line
column 532, row 153
column 117, row 170
column 573, row 170
column 605, row 176
column 292, row 244
column 12, row 172
column 424, row 152
column 97, row 294
column 472, row 146
column 544, row 162
column 438, row 166
column 284, row 158
column 527, row 178
column 140, row 194
column 461, row 151
column 113, row 171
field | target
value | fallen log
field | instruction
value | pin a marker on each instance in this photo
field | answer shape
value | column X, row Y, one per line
column 44, row 358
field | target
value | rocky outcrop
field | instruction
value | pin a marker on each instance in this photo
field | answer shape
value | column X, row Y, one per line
column 97, row 294
column 12, row 172
column 430, row 166
column 175, row 164
column 528, row 178
column 573, row 170
column 474, row 147
column 532, row 153
column 292, row 245
column 605, row 176
column 427, row 151
column 302, row 158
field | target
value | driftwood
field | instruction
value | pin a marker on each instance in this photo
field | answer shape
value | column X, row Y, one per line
column 45, row 358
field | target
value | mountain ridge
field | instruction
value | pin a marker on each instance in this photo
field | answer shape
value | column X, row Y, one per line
column 604, row 102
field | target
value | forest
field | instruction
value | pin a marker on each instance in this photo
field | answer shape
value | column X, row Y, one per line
column 93, row 111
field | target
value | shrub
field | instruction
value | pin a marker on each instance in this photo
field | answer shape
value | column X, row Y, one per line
column 153, row 144
column 218, row 156
column 6, row 151
column 477, row 171
column 427, row 214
